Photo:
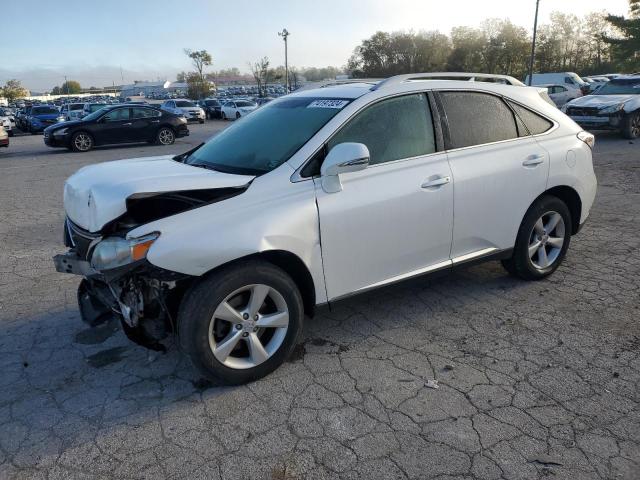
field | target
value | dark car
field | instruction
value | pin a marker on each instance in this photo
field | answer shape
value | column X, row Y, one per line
column 212, row 107
column 117, row 124
column 43, row 116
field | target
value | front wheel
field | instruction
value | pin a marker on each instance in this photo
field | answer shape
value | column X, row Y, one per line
column 81, row 142
column 223, row 116
column 242, row 322
column 165, row 136
column 238, row 115
column 631, row 126
column 543, row 240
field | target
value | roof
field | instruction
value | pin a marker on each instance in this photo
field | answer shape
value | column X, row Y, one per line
column 625, row 79
column 340, row 90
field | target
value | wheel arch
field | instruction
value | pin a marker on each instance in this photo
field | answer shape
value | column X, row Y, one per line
column 292, row 264
column 572, row 199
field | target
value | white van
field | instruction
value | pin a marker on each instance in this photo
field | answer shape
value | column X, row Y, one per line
column 569, row 79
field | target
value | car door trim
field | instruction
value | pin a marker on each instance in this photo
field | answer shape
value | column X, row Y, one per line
column 436, row 267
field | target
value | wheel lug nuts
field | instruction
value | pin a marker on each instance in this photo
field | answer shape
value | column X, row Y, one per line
column 239, row 326
column 245, row 316
column 245, row 334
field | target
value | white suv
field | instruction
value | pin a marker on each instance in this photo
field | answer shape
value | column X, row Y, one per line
column 320, row 195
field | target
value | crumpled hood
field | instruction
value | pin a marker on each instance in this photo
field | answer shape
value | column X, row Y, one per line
column 600, row 101
column 97, row 194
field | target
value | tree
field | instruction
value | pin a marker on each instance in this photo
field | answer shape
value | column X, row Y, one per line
column 56, row 91
column 200, row 59
column 197, row 87
column 181, row 77
column 626, row 44
column 70, row 87
column 260, row 72
column 13, row 89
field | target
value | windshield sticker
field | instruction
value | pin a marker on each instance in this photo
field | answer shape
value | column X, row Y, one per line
column 328, row 103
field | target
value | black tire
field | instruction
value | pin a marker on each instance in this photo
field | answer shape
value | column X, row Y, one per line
column 631, row 126
column 197, row 310
column 10, row 133
column 81, row 142
column 238, row 115
column 200, row 122
column 223, row 116
column 521, row 264
column 165, row 136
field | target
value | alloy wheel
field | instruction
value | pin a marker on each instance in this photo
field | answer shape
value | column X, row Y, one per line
column 546, row 240
column 82, row 142
column 166, row 136
column 248, row 326
column 635, row 126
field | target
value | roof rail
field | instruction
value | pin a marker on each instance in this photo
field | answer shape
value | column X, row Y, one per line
column 463, row 76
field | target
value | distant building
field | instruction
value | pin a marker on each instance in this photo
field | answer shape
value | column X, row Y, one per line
column 144, row 89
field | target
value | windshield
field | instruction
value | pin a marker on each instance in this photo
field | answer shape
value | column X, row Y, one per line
column 244, row 103
column 96, row 114
column 94, row 107
column 184, row 103
column 268, row 137
column 619, row 88
column 76, row 106
column 44, row 110
column 210, row 103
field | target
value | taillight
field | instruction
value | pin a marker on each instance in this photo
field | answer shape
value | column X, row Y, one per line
column 587, row 138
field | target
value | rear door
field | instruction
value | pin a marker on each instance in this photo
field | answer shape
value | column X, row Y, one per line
column 144, row 123
column 498, row 171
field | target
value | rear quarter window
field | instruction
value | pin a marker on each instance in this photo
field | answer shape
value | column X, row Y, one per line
column 536, row 124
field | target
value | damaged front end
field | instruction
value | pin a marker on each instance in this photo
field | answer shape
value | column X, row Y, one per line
column 143, row 297
column 118, row 279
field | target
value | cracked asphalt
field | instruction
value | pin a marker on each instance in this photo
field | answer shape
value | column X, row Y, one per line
column 536, row 380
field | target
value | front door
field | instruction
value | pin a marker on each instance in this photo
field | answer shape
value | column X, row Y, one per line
column 393, row 219
column 114, row 127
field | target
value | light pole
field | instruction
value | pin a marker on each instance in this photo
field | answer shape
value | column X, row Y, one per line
column 284, row 34
column 533, row 44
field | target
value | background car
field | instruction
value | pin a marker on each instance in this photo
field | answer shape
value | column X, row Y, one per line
column 43, row 116
column 570, row 80
column 186, row 108
column 118, row 124
column 561, row 94
column 72, row 111
column 6, row 124
column 4, row 137
column 614, row 106
column 212, row 108
column 91, row 107
column 235, row 109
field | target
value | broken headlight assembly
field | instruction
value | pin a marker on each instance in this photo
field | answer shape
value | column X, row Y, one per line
column 114, row 252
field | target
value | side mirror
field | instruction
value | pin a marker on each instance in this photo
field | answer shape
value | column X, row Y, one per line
column 343, row 158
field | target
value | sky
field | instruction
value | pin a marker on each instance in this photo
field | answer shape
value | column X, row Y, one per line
column 101, row 43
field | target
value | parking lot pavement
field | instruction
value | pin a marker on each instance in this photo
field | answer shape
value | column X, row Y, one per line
column 535, row 379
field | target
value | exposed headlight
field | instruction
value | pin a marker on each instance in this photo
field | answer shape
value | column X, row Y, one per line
column 613, row 108
column 113, row 252
column 60, row 132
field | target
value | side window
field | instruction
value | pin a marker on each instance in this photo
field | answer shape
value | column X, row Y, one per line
column 117, row 115
column 477, row 118
column 144, row 113
column 534, row 122
column 392, row 129
column 568, row 80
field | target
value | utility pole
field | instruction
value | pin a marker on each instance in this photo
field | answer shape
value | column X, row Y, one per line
column 66, row 85
column 284, row 34
column 533, row 44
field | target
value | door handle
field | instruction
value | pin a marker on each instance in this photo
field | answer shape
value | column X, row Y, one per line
column 533, row 160
column 127, row 123
column 155, row 121
column 436, row 182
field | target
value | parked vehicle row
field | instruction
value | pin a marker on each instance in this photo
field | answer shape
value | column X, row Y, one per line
column 4, row 137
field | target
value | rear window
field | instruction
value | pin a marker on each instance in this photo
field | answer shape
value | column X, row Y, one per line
column 184, row 103
column 477, row 118
column 244, row 103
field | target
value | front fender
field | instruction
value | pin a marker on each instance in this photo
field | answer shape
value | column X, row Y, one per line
column 273, row 214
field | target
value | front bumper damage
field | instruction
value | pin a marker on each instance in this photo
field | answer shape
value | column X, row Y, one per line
column 593, row 118
column 143, row 297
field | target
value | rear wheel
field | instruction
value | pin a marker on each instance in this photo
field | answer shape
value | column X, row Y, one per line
column 543, row 240
column 81, row 142
column 238, row 115
column 223, row 116
column 165, row 136
column 631, row 127
column 242, row 322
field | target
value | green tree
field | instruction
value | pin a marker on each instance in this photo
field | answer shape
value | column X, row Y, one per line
column 70, row 87
column 13, row 89
column 197, row 88
column 260, row 72
column 56, row 90
column 626, row 44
